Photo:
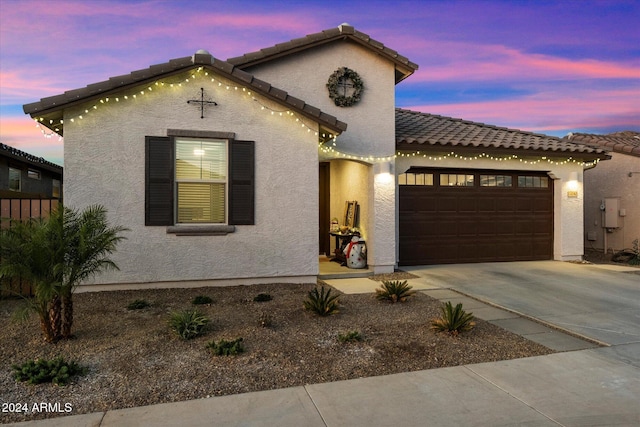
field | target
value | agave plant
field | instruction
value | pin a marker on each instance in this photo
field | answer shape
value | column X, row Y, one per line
column 188, row 324
column 394, row 291
column 453, row 320
column 321, row 302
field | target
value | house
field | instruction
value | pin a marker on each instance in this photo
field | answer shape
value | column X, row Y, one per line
column 612, row 198
column 23, row 175
column 229, row 172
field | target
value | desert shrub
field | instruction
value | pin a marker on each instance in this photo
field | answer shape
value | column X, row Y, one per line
column 138, row 304
column 56, row 371
column 350, row 337
column 321, row 302
column 201, row 300
column 453, row 320
column 226, row 348
column 188, row 324
column 262, row 297
column 394, row 291
column 265, row 320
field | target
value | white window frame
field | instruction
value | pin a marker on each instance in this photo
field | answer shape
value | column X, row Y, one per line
column 178, row 181
column 19, row 172
column 34, row 174
column 56, row 188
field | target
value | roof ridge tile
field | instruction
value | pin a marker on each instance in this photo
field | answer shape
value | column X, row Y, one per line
column 54, row 105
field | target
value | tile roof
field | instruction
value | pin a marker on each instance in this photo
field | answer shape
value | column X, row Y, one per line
column 52, row 107
column 404, row 67
column 626, row 142
column 421, row 131
column 14, row 153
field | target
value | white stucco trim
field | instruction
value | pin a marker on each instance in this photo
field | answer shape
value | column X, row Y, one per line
column 184, row 284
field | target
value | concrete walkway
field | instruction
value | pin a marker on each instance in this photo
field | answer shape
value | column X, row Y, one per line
column 584, row 385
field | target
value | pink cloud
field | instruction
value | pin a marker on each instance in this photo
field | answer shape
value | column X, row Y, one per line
column 22, row 133
column 451, row 61
column 549, row 111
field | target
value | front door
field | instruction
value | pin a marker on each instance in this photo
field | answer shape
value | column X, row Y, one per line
column 323, row 228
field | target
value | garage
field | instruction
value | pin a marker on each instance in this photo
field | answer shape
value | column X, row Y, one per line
column 463, row 216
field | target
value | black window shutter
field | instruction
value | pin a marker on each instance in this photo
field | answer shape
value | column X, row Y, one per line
column 241, row 182
column 158, row 201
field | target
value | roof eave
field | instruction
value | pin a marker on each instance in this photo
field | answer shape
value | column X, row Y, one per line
column 404, row 67
column 522, row 152
column 51, row 109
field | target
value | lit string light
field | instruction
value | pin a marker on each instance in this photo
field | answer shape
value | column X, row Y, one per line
column 453, row 155
column 58, row 125
column 484, row 156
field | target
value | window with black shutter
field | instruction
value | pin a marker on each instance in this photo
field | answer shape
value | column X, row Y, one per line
column 159, row 180
column 186, row 180
column 241, row 183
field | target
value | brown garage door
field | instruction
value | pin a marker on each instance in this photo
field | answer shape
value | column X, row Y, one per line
column 460, row 216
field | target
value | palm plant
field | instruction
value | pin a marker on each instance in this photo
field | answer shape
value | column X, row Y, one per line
column 27, row 252
column 453, row 320
column 89, row 241
column 55, row 255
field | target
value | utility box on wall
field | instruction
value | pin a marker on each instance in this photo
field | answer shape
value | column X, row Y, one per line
column 611, row 208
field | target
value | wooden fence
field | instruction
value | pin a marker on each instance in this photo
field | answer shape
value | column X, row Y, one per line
column 22, row 209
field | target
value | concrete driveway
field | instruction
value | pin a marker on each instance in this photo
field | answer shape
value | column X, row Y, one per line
column 599, row 302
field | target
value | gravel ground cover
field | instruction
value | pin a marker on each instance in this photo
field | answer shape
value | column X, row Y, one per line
column 134, row 359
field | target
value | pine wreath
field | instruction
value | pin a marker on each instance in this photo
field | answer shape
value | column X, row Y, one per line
column 340, row 76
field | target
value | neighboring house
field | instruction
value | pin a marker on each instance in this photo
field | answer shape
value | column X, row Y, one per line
column 612, row 198
column 230, row 171
column 23, row 175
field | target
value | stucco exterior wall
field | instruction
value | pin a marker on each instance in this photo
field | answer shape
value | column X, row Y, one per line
column 568, row 219
column 371, row 122
column 104, row 163
column 370, row 132
column 610, row 179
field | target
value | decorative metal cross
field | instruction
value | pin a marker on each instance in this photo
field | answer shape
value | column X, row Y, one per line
column 345, row 84
column 202, row 102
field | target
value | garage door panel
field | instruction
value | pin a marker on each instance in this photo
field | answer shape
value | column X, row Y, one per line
column 503, row 204
column 467, row 205
column 449, row 224
column 467, row 230
column 447, row 204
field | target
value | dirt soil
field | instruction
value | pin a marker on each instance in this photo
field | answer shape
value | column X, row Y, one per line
column 134, row 359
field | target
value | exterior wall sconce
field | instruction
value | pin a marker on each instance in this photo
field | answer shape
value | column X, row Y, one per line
column 572, row 185
column 383, row 171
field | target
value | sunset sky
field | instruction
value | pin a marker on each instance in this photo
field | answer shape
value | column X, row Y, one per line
column 544, row 66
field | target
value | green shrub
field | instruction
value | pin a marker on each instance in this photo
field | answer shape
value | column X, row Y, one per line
column 350, row 337
column 202, row 299
column 321, row 302
column 138, row 304
column 55, row 371
column 226, row 348
column 262, row 298
column 188, row 324
column 394, row 291
column 453, row 320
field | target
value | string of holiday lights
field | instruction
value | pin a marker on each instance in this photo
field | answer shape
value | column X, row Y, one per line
column 452, row 155
column 200, row 72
